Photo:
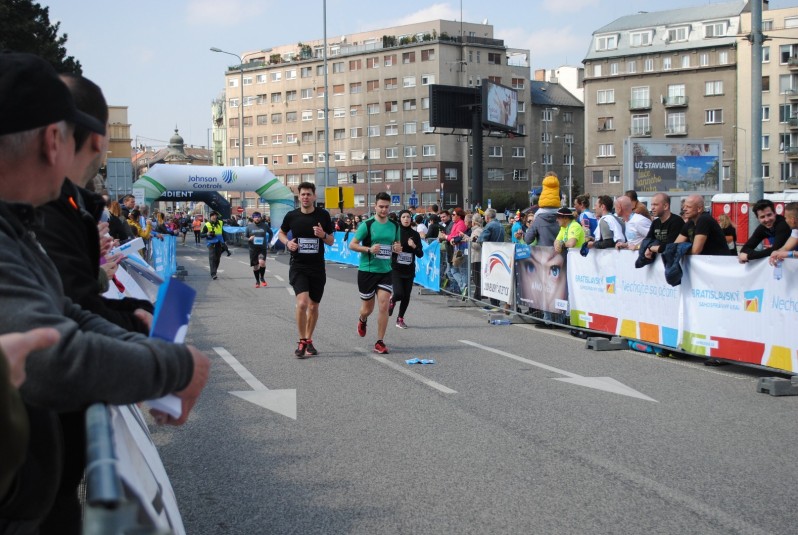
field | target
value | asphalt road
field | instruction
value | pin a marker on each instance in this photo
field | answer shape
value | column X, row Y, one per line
column 508, row 432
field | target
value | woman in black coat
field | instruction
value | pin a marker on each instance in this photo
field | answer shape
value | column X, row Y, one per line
column 404, row 266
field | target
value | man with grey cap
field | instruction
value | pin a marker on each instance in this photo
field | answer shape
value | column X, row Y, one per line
column 94, row 360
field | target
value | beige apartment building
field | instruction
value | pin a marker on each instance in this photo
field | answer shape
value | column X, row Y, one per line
column 378, row 112
column 779, row 145
column 670, row 76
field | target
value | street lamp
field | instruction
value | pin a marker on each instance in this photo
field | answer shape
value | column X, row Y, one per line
column 569, row 140
column 240, row 109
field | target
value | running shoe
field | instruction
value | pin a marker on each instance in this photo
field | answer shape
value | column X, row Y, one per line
column 309, row 349
column 263, row 283
column 214, row 277
column 380, row 347
column 391, row 305
column 400, row 323
column 257, row 285
column 300, row 349
column 361, row 327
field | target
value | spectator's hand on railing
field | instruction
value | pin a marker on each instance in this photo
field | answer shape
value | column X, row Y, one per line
column 191, row 393
column 776, row 257
column 144, row 316
column 742, row 258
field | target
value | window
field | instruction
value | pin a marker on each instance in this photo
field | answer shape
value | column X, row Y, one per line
column 428, row 150
column 631, row 67
column 339, row 113
column 391, row 129
column 320, row 92
column 545, row 137
column 277, row 118
column 614, row 176
column 597, row 70
column 495, row 151
column 320, row 135
column 340, row 156
column 373, row 63
column 640, row 98
column 703, row 59
column 675, row 35
column 520, row 175
column 320, row 157
column 409, row 104
column 290, row 74
column 411, row 151
column 641, row 125
column 640, row 38
column 519, row 152
column 606, row 124
column 373, row 85
column 785, row 113
column 765, row 142
column 262, row 140
column 597, row 177
column 307, row 137
column 391, row 152
column 606, row 150
column 276, row 76
column 605, row 96
column 713, row 116
column 409, row 81
column 355, row 110
column 517, row 83
column 424, row 103
column 648, row 65
column 685, row 62
column 713, row 87
column 338, row 67
column 495, row 175
column 765, row 170
column 408, row 57
column 373, row 109
column 391, row 106
column 723, row 56
column 232, row 82
column 263, row 160
column 391, row 83
column 427, row 79
column 425, row 127
column 250, row 100
column 233, row 102
column 307, row 115
column 606, row 42
column 339, row 133
column 306, row 93
column 787, row 83
column 356, row 87
column 277, row 139
column 494, row 58
column 338, row 89
column 429, row 173
column 233, row 142
column 290, row 158
column 410, row 128
column 260, row 79
column 614, row 68
column 276, row 98
column 373, row 131
column 306, row 72
column 290, row 117
column 374, row 154
column 355, row 64
column 715, row 29
column 292, row 179
column 676, row 123
column 356, row 132
column 765, row 113
column 320, row 114
column 450, row 173
column 666, row 63
column 262, row 119
column 428, row 54
column 389, row 60
column 393, row 175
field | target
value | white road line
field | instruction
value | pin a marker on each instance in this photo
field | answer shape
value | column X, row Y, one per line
column 245, row 263
column 413, row 375
column 290, row 290
column 279, row 278
column 190, row 258
column 239, row 369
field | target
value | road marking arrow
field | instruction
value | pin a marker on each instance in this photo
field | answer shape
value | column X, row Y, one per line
column 607, row 384
column 279, row 401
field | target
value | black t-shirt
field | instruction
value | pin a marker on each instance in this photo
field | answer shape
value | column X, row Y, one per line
column 311, row 248
column 707, row 226
column 730, row 231
column 262, row 233
column 665, row 232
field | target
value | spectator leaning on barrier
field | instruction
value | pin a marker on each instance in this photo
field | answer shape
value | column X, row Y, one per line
column 788, row 249
column 584, row 216
column 701, row 230
column 637, row 206
column 475, row 255
column 665, row 228
column 571, row 234
column 94, row 360
column 770, row 235
column 610, row 228
column 729, row 232
column 636, row 226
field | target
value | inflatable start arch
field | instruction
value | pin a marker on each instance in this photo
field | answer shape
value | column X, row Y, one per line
column 211, row 178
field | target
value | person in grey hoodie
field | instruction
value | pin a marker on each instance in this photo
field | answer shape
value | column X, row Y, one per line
column 544, row 229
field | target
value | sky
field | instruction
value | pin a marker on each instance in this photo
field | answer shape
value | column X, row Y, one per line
column 153, row 56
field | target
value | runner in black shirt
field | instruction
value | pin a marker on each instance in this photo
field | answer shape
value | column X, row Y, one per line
column 259, row 234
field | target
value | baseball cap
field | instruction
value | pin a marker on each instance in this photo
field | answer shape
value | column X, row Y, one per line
column 32, row 95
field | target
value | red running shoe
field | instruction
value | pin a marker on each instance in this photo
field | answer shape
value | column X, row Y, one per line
column 361, row 327
column 380, row 348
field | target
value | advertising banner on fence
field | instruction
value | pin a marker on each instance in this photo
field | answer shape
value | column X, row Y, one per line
column 541, row 280
column 498, row 261
column 428, row 267
column 607, row 293
column 339, row 251
column 741, row 312
column 163, row 258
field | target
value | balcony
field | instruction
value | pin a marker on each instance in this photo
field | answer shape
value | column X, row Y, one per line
column 640, row 104
column 792, row 63
column 793, row 122
column 792, row 153
column 675, row 102
column 792, row 94
column 640, row 131
column 676, row 130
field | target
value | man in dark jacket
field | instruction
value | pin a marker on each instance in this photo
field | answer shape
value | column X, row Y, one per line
column 772, row 232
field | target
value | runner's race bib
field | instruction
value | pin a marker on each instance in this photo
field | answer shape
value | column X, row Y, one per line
column 384, row 253
column 404, row 258
column 258, row 240
column 308, row 245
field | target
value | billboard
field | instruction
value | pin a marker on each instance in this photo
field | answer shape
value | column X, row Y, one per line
column 688, row 166
column 452, row 106
column 499, row 106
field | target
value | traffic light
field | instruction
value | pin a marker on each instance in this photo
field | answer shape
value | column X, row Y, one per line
column 354, row 178
column 515, row 174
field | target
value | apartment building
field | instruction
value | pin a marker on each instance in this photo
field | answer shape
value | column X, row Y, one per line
column 779, row 144
column 668, row 75
column 378, row 111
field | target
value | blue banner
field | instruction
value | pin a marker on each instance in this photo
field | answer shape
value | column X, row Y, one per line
column 339, row 250
column 428, row 267
column 233, row 230
column 163, row 258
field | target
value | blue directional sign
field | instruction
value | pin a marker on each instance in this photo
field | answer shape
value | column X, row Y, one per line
column 413, row 201
column 396, row 199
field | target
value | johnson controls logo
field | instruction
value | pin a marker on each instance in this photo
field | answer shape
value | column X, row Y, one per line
column 229, row 176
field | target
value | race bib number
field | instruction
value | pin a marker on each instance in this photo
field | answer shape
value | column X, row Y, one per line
column 308, row 245
column 258, row 240
column 384, row 253
column 404, row 258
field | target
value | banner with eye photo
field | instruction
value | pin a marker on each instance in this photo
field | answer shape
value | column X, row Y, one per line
column 541, row 280
column 498, row 262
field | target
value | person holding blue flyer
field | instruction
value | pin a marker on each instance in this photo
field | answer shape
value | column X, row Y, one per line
column 259, row 235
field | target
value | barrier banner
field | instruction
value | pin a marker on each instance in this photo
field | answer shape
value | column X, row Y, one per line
column 541, row 279
column 228, row 229
column 339, row 251
column 498, row 262
column 607, row 293
column 740, row 311
column 428, row 267
column 163, row 258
